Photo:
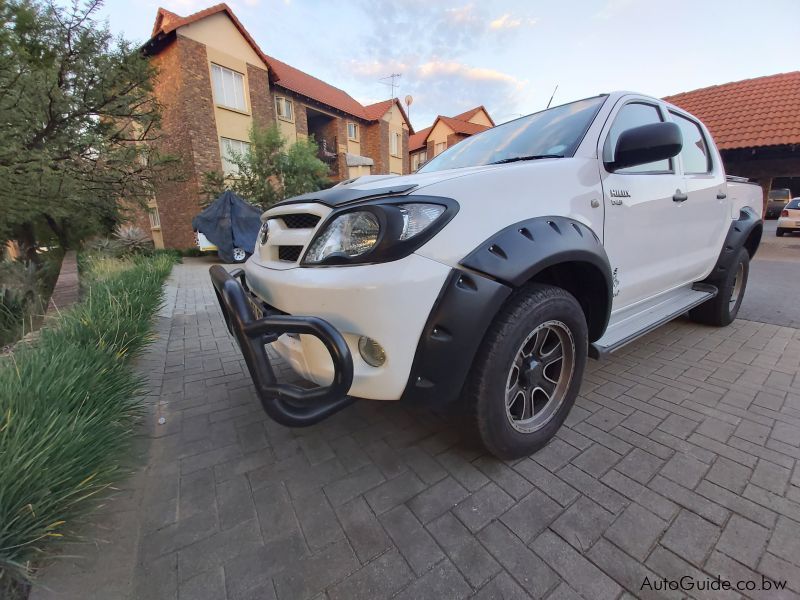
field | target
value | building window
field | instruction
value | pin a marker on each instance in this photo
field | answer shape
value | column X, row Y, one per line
column 395, row 143
column 155, row 220
column 439, row 148
column 284, row 108
column 352, row 131
column 228, row 88
column 232, row 149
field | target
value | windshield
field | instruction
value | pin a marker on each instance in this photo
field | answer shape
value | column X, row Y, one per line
column 555, row 132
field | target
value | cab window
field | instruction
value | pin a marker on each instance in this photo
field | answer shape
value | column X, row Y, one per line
column 694, row 154
column 635, row 114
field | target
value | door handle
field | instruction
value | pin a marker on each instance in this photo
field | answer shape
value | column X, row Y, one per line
column 679, row 196
column 722, row 196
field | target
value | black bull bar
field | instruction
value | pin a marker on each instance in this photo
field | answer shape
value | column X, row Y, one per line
column 288, row 404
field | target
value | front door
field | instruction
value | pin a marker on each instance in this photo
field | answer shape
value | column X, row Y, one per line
column 644, row 215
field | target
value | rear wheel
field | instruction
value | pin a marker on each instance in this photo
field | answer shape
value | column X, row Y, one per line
column 780, row 231
column 528, row 371
column 723, row 308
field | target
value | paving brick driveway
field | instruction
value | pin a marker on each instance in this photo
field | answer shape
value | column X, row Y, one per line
column 679, row 458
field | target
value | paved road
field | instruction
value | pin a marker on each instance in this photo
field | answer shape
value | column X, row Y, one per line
column 773, row 290
column 680, row 458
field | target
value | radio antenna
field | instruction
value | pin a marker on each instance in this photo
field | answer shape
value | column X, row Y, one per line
column 553, row 96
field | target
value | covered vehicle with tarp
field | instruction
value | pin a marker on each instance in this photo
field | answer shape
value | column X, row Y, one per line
column 231, row 224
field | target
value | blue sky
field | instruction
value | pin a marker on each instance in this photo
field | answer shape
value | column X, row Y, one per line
column 509, row 56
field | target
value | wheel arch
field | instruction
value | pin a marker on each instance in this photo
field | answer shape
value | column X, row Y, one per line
column 555, row 250
column 744, row 232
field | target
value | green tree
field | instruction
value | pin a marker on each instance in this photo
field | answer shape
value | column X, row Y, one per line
column 271, row 170
column 77, row 115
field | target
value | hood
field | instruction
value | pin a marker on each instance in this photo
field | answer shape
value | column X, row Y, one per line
column 372, row 186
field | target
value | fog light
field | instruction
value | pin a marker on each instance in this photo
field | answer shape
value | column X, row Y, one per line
column 371, row 351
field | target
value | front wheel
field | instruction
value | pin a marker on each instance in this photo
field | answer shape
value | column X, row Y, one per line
column 528, row 370
column 780, row 231
column 722, row 309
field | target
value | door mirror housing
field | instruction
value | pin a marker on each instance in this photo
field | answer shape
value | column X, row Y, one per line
column 645, row 144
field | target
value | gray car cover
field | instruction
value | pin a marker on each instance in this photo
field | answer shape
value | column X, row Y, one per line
column 229, row 222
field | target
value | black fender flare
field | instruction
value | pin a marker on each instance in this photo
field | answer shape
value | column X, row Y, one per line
column 473, row 294
column 516, row 254
column 743, row 232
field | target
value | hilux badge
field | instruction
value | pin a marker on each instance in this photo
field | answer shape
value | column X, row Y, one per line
column 614, row 193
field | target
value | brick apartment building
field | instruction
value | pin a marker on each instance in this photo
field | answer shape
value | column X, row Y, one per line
column 446, row 132
column 215, row 83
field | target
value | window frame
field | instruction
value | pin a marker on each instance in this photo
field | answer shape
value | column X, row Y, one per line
column 396, row 139
column 355, row 137
column 222, row 102
column 437, row 145
column 223, row 154
column 285, row 101
column 605, row 149
column 709, row 161
column 155, row 218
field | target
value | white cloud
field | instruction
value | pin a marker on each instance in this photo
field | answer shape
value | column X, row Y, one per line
column 462, row 14
column 435, row 68
column 506, row 21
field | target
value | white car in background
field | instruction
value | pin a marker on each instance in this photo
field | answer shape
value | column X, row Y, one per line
column 789, row 221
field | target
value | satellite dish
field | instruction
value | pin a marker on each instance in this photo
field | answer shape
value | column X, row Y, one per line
column 409, row 99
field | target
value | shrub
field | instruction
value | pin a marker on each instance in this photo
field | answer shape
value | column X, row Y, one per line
column 132, row 240
column 68, row 405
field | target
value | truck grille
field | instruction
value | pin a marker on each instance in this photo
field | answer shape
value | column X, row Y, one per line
column 289, row 253
column 290, row 228
column 300, row 221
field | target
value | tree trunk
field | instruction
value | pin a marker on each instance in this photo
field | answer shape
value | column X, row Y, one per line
column 60, row 230
column 26, row 239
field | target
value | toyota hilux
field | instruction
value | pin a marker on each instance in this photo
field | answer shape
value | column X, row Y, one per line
column 490, row 275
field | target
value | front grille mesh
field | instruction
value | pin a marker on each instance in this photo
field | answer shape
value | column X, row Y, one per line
column 289, row 253
column 300, row 221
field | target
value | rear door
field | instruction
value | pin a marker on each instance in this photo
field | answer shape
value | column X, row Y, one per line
column 705, row 212
column 643, row 223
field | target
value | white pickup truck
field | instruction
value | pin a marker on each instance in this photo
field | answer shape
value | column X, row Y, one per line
column 490, row 275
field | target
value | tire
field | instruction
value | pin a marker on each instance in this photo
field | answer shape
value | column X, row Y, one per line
column 723, row 308
column 780, row 231
column 535, row 316
column 239, row 255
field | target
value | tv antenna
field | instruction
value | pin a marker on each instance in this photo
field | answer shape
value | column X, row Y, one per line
column 553, row 96
column 392, row 81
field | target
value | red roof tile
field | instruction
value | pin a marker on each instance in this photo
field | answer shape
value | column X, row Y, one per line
column 167, row 22
column 755, row 112
column 466, row 116
column 284, row 75
column 377, row 110
column 418, row 140
column 460, row 126
column 299, row 82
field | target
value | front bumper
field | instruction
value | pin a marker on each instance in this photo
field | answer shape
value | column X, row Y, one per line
column 388, row 302
column 287, row 404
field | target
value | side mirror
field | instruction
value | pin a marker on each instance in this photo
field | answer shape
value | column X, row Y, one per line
column 645, row 144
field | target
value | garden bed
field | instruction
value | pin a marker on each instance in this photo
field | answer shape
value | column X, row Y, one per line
column 68, row 405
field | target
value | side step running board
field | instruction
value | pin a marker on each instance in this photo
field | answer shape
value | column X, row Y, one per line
column 629, row 329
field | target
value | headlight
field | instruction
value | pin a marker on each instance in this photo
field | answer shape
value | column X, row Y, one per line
column 418, row 217
column 378, row 232
column 348, row 236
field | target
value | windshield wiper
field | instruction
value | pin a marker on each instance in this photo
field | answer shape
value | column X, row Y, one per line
column 530, row 157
